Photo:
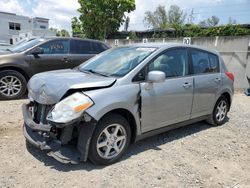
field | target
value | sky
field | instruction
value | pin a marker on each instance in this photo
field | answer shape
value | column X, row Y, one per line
column 60, row 12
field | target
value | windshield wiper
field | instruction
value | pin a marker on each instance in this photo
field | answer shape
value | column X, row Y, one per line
column 94, row 72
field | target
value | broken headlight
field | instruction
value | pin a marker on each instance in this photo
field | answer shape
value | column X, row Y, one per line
column 70, row 108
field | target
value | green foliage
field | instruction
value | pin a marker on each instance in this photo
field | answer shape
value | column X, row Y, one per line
column 157, row 19
column 162, row 19
column 99, row 18
column 60, row 33
column 76, row 26
column 210, row 22
column 225, row 30
column 64, row 33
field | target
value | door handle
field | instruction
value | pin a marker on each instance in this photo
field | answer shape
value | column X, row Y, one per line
column 217, row 80
column 186, row 85
column 65, row 59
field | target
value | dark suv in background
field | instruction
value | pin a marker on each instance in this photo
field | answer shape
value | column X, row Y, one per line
column 44, row 54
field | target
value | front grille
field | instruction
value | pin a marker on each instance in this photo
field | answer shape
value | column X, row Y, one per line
column 40, row 112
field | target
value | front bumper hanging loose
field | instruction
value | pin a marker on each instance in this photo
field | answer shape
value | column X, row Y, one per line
column 34, row 134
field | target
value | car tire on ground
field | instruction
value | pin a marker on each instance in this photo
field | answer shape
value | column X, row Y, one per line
column 219, row 115
column 110, row 139
column 12, row 85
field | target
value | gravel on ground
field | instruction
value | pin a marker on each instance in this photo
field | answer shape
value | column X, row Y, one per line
column 197, row 155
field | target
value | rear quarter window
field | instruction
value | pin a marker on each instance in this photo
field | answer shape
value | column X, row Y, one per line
column 214, row 63
column 80, row 47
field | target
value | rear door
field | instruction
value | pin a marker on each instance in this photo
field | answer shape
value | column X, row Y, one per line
column 80, row 51
column 55, row 56
column 171, row 101
column 207, row 80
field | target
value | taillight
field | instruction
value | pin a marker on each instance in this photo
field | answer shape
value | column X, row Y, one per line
column 230, row 75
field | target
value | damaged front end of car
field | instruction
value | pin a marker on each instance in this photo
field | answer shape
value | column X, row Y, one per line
column 55, row 119
column 65, row 137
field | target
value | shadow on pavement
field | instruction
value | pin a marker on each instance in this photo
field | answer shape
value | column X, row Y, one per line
column 141, row 146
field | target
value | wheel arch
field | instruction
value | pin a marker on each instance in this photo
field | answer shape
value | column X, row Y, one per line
column 17, row 69
column 228, row 97
column 129, row 117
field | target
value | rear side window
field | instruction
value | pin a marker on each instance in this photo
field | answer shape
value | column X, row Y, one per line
column 80, row 47
column 200, row 60
column 214, row 63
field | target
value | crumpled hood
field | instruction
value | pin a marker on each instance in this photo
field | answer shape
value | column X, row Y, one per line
column 49, row 87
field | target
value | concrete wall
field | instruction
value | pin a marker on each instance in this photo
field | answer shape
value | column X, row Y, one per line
column 234, row 50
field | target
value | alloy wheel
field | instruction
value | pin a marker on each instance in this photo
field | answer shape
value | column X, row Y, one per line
column 10, row 86
column 221, row 111
column 111, row 141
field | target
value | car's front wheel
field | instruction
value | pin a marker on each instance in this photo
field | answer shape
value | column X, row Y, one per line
column 219, row 115
column 110, row 139
column 12, row 85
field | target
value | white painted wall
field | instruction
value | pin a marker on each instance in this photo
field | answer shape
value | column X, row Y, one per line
column 30, row 27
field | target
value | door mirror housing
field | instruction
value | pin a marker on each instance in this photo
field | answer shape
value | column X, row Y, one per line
column 36, row 51
column 156, row 77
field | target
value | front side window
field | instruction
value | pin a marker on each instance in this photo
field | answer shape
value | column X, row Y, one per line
column 80, row 47
column 118, row 61
column 55, row 47
column 173, row 63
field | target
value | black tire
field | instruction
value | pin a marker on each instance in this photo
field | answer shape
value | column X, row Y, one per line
column 104, row 123
column 212, row 118
column 20, row 79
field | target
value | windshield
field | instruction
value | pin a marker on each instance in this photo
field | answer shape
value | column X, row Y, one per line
column 26, row 45
column 118, row 61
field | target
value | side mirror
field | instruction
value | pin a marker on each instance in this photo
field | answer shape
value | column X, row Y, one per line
column 37, row 51
column 156, row 76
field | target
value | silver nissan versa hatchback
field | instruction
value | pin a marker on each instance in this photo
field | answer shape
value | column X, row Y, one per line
column 122, row 95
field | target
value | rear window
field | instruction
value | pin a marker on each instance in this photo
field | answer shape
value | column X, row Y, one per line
column 80, row 47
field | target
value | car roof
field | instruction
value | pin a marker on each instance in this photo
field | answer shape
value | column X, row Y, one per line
column 171, row 45
column 72, row 38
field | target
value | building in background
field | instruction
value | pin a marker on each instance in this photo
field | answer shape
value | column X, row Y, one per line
column 14, row 28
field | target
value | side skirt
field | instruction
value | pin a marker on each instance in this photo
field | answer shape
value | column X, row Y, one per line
column 170, row 127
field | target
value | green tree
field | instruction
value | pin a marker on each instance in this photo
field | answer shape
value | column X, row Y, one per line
column 60, row 33
column 64, row 33
column 100, row 18
column 176, row 17
column 191, row 18
column 163, row 19
column 55, row 30
column 231, row 21
column 76, row 26
column 157, row 19
column 126, row 24
column 210, row 22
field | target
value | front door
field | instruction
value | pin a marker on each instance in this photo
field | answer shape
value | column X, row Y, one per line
column 55, row 56
column 171, row 101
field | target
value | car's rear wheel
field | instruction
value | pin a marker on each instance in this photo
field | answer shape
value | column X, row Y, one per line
column 110, row 140
column 219, row 115
column 12, row 85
